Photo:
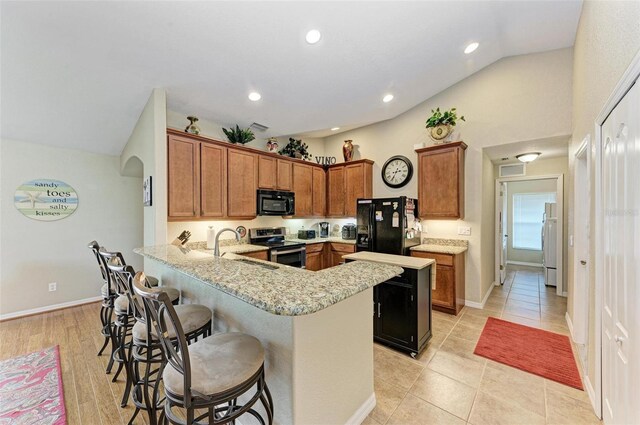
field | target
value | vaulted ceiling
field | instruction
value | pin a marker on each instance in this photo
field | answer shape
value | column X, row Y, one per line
column 77, row 74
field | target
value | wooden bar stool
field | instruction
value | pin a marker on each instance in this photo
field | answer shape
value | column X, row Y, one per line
column 124, row 321
column 210, row 374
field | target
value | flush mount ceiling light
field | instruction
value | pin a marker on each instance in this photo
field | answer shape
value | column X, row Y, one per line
column 387, row 98
column 335, row 128
column 471, row 47
column 313, row 36
column 528, row 157
column 254, row 96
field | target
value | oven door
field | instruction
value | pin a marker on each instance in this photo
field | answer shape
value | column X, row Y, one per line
column 294, row 257
column 275, row 203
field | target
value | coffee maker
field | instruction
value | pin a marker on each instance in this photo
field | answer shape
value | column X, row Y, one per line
column 324, row 229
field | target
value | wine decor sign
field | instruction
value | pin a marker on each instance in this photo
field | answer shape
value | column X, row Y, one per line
column 46, row 199
column 326, row 160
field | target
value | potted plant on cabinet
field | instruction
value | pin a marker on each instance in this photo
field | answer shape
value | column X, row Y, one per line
column 239, row 135
column 296, row 149
column 440, row 124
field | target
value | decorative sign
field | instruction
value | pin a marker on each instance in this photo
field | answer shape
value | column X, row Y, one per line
column 146, row 192
column 46, row 199
column 326, row 160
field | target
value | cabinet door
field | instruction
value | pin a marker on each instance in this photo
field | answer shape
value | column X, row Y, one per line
column 267, row 172
column 395, row 313
column 355, row 183
column 444, row 294
column 319, row 192
column 243, row 183
column 441, row 183
column 303, row 189
column 336, row 258
column 335, row 186
column 213, row 180
column 183, row 177
column 314, row 261
column 285, row 180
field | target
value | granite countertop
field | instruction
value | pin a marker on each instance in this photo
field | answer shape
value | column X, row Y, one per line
column 396, row 260
column 334, row 239
column 279, row 289
column 443, row 246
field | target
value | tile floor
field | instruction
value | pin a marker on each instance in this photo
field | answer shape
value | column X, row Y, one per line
column 448, row 384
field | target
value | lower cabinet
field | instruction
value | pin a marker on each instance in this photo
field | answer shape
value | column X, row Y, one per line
column 402, row 311
column 260, row 255
column 448, row 295
column 315, row 254
column 336, row 251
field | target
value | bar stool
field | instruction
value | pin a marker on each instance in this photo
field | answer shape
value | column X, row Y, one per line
column 146, row 350
column 108, row 297
column 124, row 321
column 209, row 374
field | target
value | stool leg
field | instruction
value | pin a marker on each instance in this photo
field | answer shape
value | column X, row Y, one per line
column 106, row 325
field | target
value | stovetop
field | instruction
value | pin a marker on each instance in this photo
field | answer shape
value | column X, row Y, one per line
column 278, row 243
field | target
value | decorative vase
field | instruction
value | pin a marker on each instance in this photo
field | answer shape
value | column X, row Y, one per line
column 440, row 132
column 347, row 150
column 192, row 127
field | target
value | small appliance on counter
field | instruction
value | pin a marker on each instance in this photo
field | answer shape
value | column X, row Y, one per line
column 385, row 225
column 306, row 234
column 280, row 250
column 324, row 229
column 349, row 231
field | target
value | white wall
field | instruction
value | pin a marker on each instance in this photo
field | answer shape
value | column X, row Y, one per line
column 517, row 98
column 35, row 253
column 607, row 39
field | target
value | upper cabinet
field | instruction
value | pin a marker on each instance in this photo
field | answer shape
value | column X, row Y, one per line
column 267, row 172
column 183, row 177
column 285, row 175
column 441, row 181
column 213, row 181
column 319, row 190
column 242, row 175
column 345, row 184
column 303, row 189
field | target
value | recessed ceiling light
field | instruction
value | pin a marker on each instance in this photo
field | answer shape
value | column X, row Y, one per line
column 313, row 36
column 471, row 47
column 335, row 128
column 387, row 98
column 254, row 96
column 528, row 157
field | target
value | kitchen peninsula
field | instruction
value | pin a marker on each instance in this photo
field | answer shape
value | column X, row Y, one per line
column 316, row 327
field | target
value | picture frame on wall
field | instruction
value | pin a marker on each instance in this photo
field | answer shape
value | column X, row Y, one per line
column 146, row 192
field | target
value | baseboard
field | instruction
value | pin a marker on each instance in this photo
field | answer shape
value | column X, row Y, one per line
column 48, row 308
column 480, row 305
column 592, row 394
column 569, row 325
column 524, row 263
column 360, row 415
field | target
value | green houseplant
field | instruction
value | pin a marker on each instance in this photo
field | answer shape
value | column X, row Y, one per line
column 441, row 123
column 296, row 148
column 239, row 135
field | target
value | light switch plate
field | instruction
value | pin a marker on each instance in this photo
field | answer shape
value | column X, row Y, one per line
column 464, row 230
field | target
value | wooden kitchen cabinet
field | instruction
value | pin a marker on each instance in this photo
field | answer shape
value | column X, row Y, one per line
column 213, row 181
column 267, row 172
column 183, row 161
column 315, row 256
column 303, row 189
column 260, row 255
column 336, row 251
column 319, row 182
column 345, row 184
column 285, row 173
column 242, row 175
column 441, row 181
column 449, row 294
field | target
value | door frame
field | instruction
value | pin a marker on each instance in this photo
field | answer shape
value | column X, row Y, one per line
column 561, row 224
column 628, row 79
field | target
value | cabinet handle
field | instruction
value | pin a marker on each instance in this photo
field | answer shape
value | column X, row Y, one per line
column 378, row 310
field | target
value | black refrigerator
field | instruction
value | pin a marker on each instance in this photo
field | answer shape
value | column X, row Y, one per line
column 385, row 225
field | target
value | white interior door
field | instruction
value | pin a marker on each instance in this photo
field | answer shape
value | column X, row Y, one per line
column 503, row 231
column 621, row 261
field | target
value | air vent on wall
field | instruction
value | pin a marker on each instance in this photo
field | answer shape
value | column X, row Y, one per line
column 258, row 127
column 512, row 170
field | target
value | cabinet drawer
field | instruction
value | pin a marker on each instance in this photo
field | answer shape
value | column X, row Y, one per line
column 315, row 247
column 260, row 255
column 343, row 247
column 441, row 259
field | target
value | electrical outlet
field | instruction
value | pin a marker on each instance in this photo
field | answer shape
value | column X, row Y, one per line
column 53, row 286
column 464, row 230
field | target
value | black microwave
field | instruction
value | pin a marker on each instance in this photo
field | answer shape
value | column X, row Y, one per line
column 274, row 202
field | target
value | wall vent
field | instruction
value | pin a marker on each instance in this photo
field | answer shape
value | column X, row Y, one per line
column 258, row 127
column 513, row 170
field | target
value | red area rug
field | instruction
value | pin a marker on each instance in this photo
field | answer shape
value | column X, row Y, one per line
column 31, row 389
column 536, row 351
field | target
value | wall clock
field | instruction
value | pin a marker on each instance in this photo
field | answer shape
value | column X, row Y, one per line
column 397, row 171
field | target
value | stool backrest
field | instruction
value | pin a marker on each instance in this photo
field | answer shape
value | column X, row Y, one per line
column 95, row 248
column 123, row 275
column 115, row 259
column 160, row 314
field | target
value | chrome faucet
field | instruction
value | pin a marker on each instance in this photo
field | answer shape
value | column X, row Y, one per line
column 216, row 247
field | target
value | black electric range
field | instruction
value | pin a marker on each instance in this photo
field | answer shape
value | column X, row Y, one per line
column 280, row 250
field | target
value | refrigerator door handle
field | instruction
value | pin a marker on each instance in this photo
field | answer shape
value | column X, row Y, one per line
column 372, row 217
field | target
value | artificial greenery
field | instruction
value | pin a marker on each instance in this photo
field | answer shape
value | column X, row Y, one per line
column 296, row 149
column 239, row 135
column 443, row 118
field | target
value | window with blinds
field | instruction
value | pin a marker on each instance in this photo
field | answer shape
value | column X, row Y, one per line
column 528, row 209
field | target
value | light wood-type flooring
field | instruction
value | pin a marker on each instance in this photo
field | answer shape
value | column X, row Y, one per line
column 447, row 384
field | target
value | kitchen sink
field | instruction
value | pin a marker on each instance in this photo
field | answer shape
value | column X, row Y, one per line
column 256, row 263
